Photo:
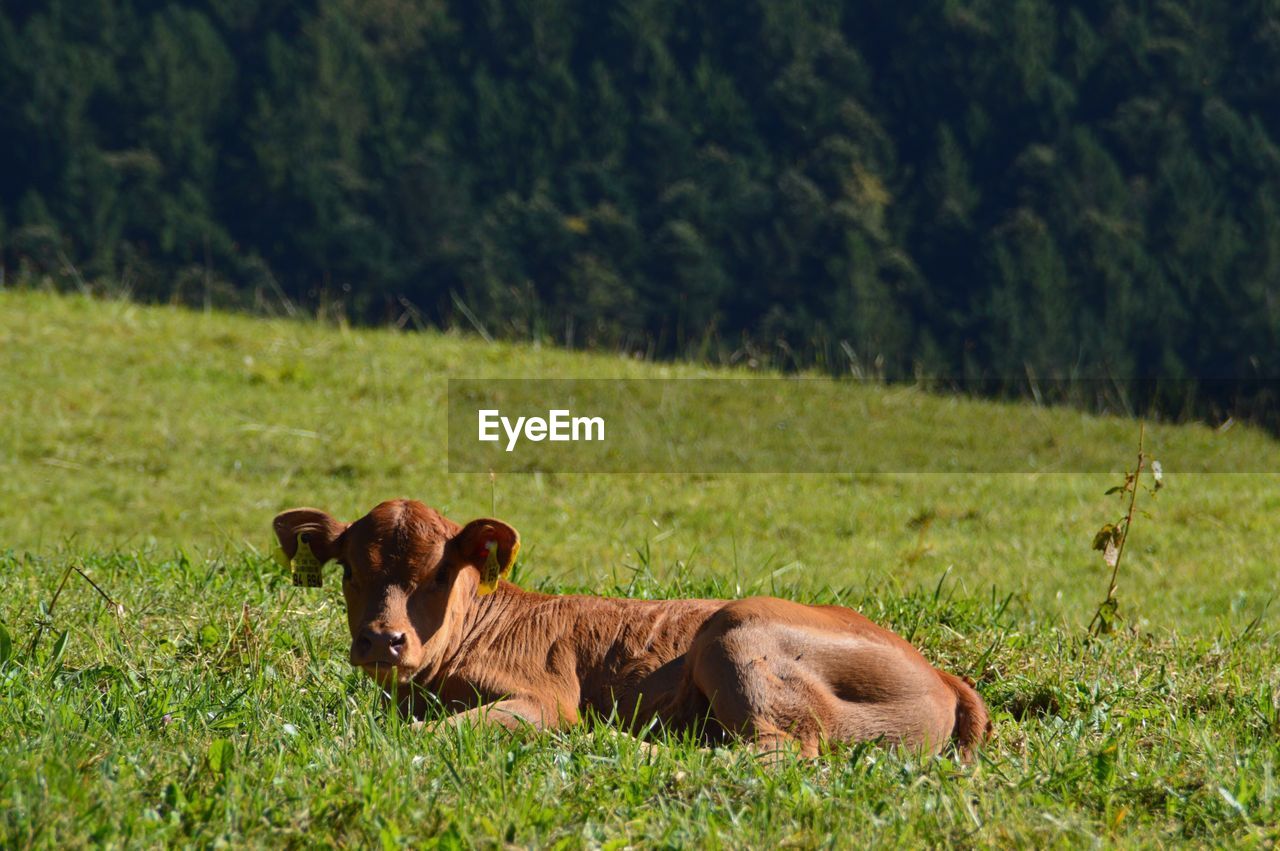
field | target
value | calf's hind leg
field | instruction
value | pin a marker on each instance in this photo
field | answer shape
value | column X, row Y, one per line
column 757, row 693
column 771, row 682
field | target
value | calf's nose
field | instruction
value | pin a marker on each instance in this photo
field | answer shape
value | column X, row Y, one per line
column 378, row 645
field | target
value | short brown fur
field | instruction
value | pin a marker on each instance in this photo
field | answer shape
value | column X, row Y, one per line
column 771, row 671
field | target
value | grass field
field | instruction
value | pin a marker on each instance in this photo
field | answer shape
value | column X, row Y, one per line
column 152, row 446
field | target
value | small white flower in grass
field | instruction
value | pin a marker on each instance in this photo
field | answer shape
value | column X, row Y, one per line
column 290, row 729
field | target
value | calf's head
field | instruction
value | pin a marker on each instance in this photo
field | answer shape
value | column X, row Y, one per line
column 410, row 576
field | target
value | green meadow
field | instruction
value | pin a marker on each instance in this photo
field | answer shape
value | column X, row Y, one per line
column 144, row 451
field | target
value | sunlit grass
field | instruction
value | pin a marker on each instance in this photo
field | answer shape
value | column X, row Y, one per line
column 151, row 447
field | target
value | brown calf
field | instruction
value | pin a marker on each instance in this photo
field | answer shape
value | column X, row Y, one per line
column 427, row 611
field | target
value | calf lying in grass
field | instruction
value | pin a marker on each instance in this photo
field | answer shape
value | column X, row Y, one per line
column 429, row 611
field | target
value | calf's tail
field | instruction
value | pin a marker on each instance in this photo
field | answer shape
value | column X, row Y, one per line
column 973, row 724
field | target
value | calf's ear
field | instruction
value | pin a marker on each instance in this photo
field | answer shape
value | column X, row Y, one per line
column 308, row 539
column 490, row 546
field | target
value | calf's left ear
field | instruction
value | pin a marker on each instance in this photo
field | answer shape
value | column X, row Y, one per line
column 491, row 547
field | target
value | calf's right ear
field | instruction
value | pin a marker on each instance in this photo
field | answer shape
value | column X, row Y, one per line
column 308, row 538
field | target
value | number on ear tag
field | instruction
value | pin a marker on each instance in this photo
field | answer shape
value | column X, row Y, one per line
column 305, row 567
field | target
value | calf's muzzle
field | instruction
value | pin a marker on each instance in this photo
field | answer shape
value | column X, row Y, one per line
column 377, row 647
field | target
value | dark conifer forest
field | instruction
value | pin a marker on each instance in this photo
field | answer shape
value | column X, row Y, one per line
column 992, row 191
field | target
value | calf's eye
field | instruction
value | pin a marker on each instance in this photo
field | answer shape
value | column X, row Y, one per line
column 346, row 572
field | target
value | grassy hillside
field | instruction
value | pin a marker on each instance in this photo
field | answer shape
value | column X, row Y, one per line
column 152, row 446
column 129, row 428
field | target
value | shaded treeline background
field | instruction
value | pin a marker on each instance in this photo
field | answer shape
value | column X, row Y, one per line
column 984, row 190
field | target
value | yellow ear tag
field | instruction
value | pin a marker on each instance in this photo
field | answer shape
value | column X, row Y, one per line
column 305, row 567
column 492, row 570
column 277, row 554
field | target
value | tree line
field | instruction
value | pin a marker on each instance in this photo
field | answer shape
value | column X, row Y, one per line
column 992, row 191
